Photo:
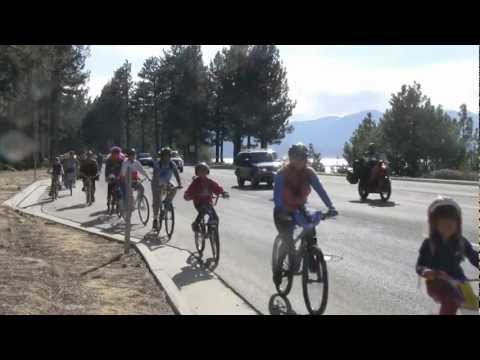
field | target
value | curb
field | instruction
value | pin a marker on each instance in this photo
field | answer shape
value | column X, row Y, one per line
column 434, row 181
column 172, row 292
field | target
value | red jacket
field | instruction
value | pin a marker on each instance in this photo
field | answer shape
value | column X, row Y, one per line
column 201, row 191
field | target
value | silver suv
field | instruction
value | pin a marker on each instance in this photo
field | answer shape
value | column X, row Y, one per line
column 256, row 166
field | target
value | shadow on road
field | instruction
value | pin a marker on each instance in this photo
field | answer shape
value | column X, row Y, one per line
column 251, row 188
column 280, row 305
column 98, row 221
column 46, row 201
column 154, row 241
column 192, row 273
column 103, row 212
column 73, row 207
column 375, row 203
column 117, row 228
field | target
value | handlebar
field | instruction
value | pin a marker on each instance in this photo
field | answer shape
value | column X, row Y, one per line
column 225, row 195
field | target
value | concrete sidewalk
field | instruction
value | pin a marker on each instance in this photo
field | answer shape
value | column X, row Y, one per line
column 191, row 289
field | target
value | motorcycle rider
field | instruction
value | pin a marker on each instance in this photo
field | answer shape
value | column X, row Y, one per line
column 372, row 159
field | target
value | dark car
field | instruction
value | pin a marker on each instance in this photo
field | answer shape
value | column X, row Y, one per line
column 177, row 160
column 256, row 166
column 145, row 159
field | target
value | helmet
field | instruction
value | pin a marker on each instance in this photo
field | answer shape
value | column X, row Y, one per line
column 298, row 150
column 115, row 149
column 130, row 152
column 201, row 165
column 89, row 153
column 165, row 151
column 444, row 202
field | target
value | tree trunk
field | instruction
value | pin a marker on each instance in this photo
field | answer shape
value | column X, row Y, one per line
column 237, row 145
column 54, row 124
column 142, row 124
column 221, row 149
column 263, row 143
column 217, row 145
column 155, row 115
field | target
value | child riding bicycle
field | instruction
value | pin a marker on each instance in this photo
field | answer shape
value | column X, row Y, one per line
column 201, row 191
column 442, row 253
column 163, row 169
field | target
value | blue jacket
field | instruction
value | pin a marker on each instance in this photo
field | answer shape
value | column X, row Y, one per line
column 436, row 254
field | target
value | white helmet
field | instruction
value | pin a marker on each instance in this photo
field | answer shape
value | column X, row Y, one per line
column 444, row 201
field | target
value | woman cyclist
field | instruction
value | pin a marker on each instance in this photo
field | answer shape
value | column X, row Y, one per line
column 292, row 186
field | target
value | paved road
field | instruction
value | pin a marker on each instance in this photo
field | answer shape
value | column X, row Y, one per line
column 372, row 246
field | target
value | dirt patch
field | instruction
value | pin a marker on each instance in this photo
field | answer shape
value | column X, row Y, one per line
column 53, row 269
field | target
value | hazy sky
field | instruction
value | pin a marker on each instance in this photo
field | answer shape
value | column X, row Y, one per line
column 338, row 80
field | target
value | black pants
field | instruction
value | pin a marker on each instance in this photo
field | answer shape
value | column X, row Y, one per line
column 92, row 179
column 204, row 209
column 285, row 223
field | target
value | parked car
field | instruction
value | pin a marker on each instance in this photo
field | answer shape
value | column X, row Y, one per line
column 256, row 166
column 176, row 158
column 145, row 159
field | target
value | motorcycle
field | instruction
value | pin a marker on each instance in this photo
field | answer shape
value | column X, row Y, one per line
column 381, row 184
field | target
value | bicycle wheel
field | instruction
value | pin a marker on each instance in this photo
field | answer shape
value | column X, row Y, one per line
column 169, row 219
column 215, row 244
column 143, row 210
column 200, row 239
column 315, row 281
column 282, row 267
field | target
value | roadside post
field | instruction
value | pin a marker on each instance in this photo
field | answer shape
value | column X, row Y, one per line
column 128, row 211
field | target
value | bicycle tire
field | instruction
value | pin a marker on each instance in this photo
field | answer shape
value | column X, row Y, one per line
column 322, row 277
column 169, row 229
column 143, row 219
column 215, row 244
column 283, row 269
column 200, row 239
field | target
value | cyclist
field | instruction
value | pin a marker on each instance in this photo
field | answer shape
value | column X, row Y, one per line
column 163, row 169
column 56, row 170
column 89, row 168
column 442, row 253
column 113, row 166
column 134, row 165
column 292, row 187
column 70, row 166
column 201, row 191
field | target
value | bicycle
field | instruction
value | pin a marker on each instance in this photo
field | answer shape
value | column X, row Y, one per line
column 287, row 260
column 209, row 230
column 113, row 199
column 167, row 215
column 139, row 204
column 464, row 292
